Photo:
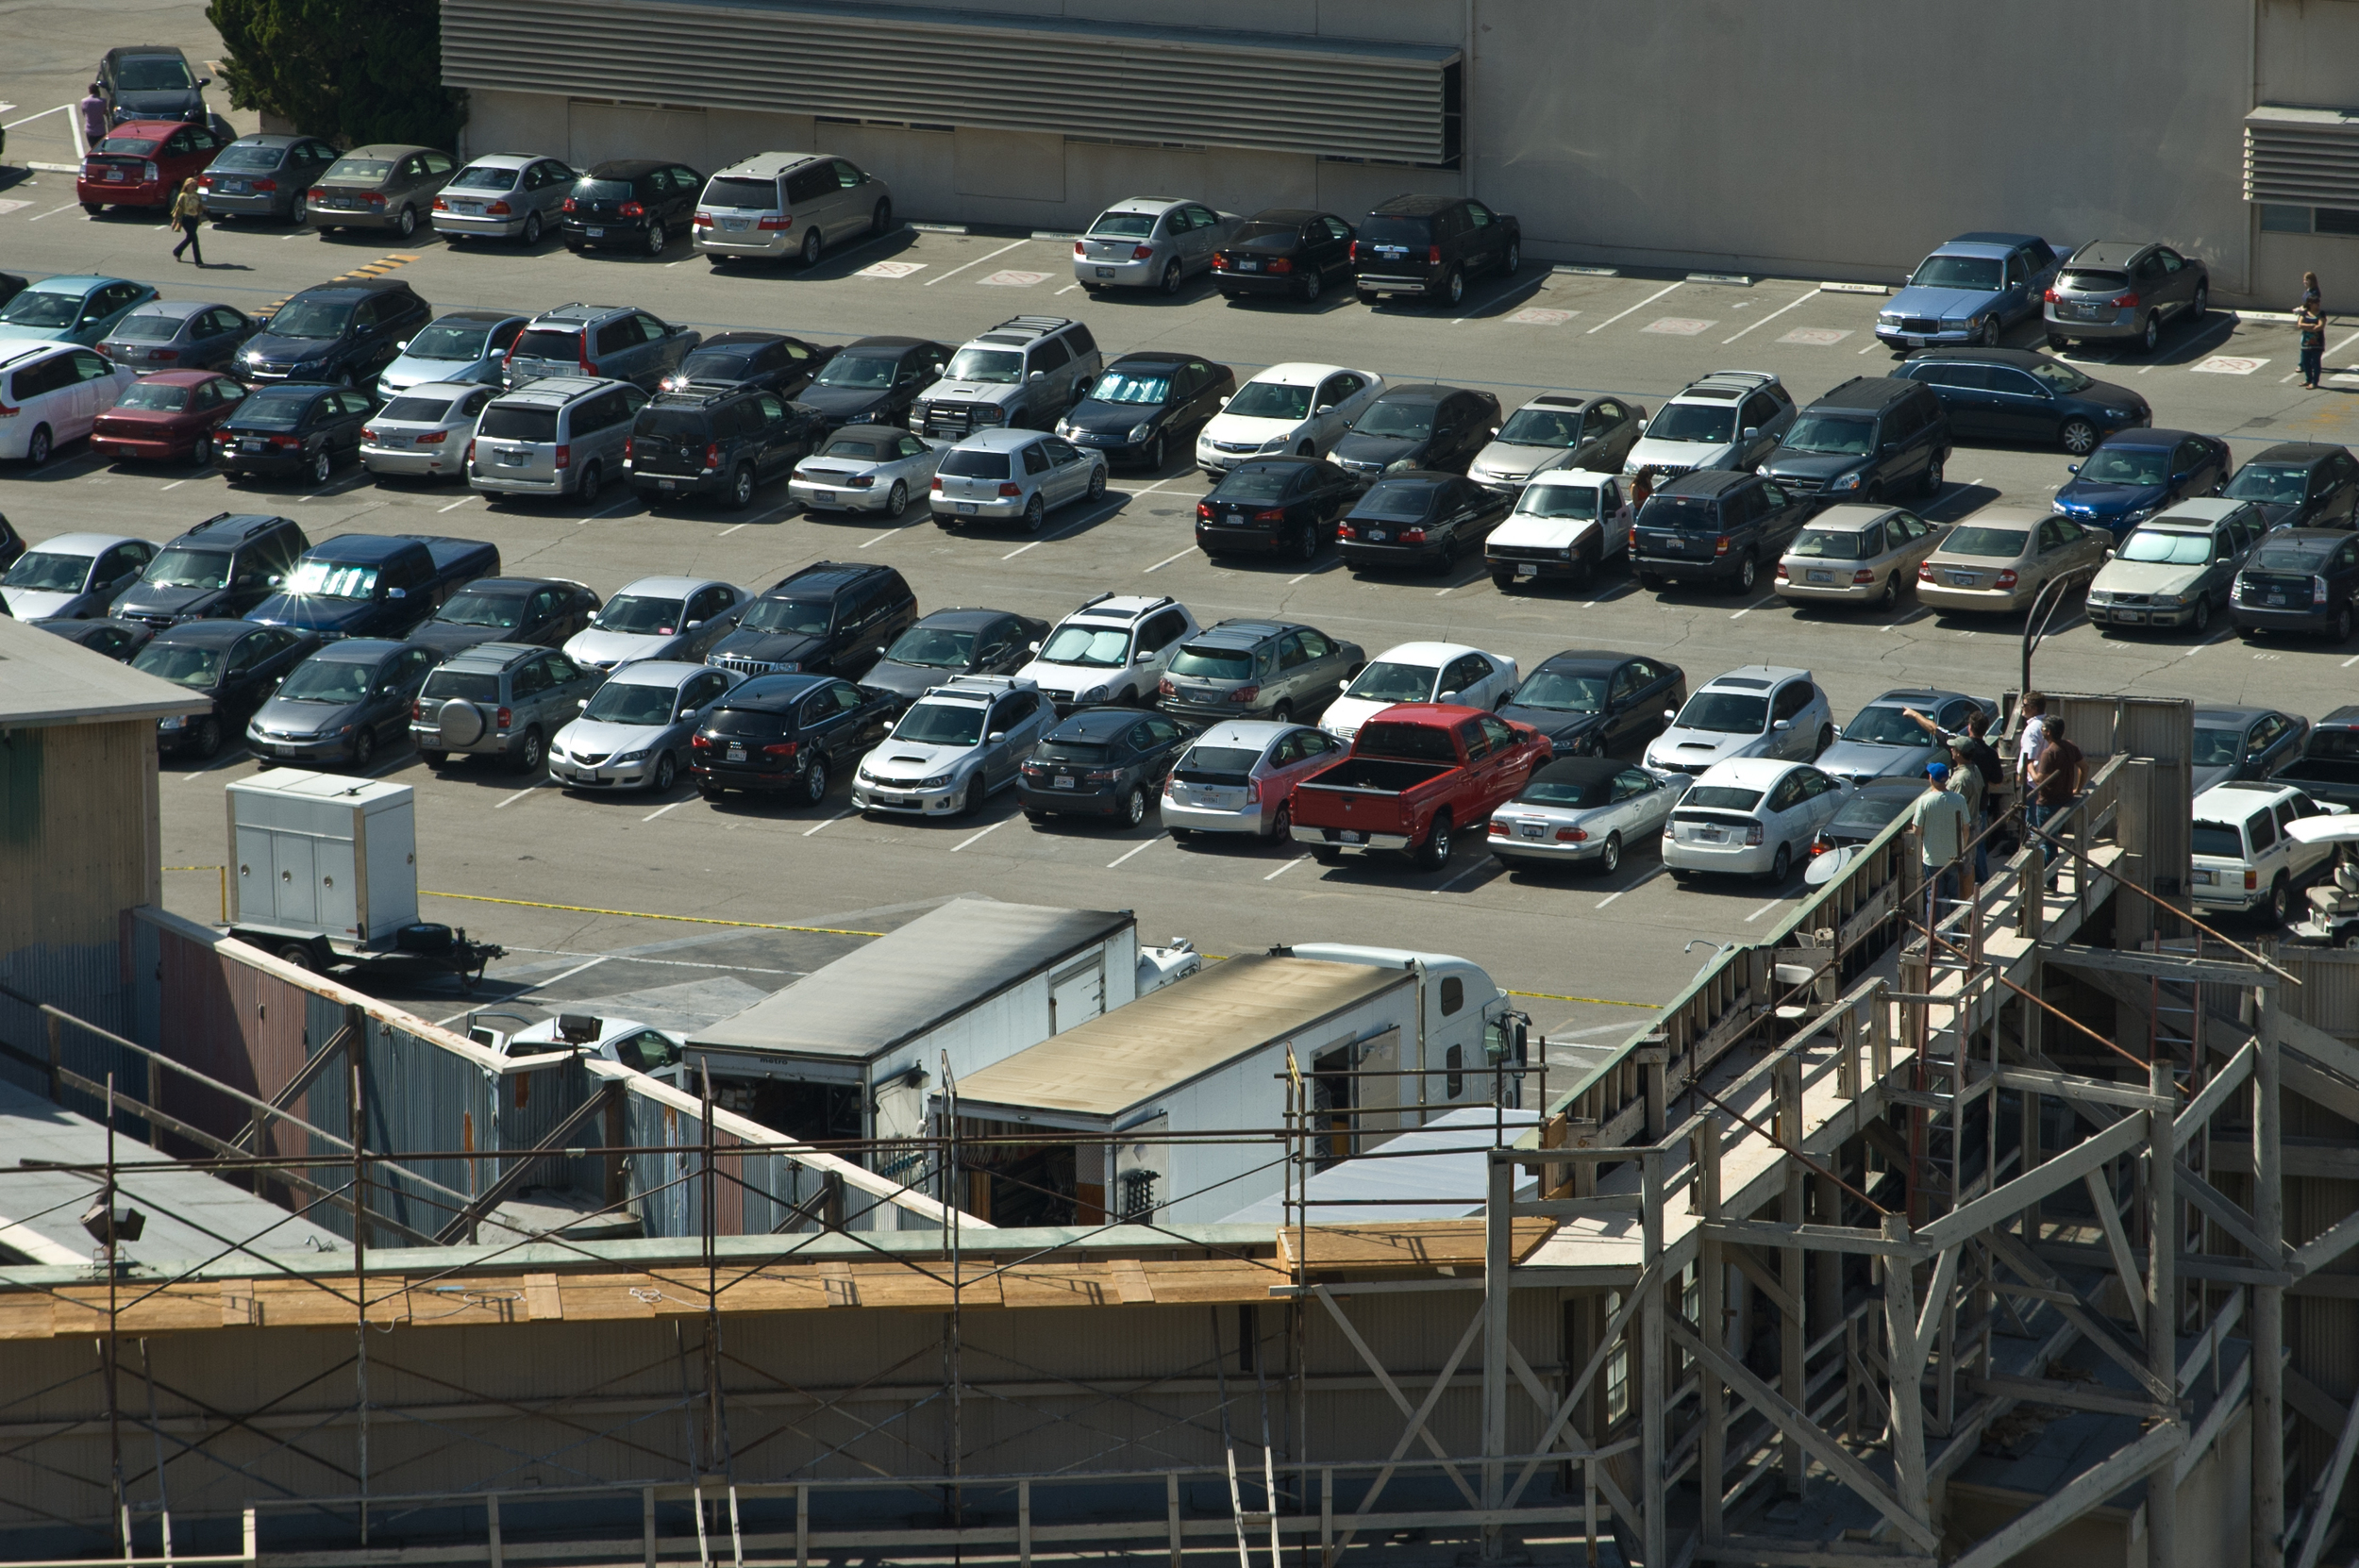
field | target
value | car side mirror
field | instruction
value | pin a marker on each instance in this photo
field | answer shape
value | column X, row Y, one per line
column 204, row 81
column 1889, row 448
column 1037, row 375
column 1324, row 409
column 879, row 652
column 396, row 594
column 1782, row 724
column 1344, row 685
column 1641, row 425
column 274, row 580
column 2179, row 478
column 1669, row 713
column 1142, row 658
column 1752, row 432
column 2109, row 554
column 581, row 702
column 694, row 625
column 1033, row 647
column 2072, row 468
column 1224, row 403
column 1446, row 696
column 998, row 736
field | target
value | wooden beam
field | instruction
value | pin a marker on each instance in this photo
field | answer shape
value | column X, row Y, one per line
column 2330, row 1158
column 2092, row 1326
column 2295, row 1072
column 1905, row 1379
column 2327, row 1491
column 2125, row 1266
column 2074, row 1087
column 2033, row 1185
column 2323, row 1249
column 2230, row 1402
column 2316, row 1043
column 2314, row 1404
column 2164, row 966
column 1818, row 1238
column 1753, row 1269
column 2078, row 1397
column 2225, row 1213
column 2083, row 1493
column 2206, row 1105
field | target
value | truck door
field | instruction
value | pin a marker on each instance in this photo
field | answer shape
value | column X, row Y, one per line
column 297, row 891
column 1076, row 992
column 1379, row 1096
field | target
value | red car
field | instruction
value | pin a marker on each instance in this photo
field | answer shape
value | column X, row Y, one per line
column 143, row 162
column 1417, row 775
column 167, row 418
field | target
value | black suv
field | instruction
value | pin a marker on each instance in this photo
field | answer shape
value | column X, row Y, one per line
column 630, row 203
column 2300, row 485
column 726, row 442
column 224, row 566
column 1101, row 762
column 830, row 617
column 545, row 611
column 1430, row 245
column 343, row 332
column 750, row 361
column 787, row 734
column 874, row 380
column 1873, row 439
column 1715, row 526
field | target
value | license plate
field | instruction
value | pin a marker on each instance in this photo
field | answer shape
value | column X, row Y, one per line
column 737, row 753
column 966, row 509
column 1527, row 571
column 514, row 456
column 667, row 484
column 1195, row 694
column 824, row 497
column 1064, row 783
column 1528, row 830
column 1248, row 266
column 469, row 209
column 251, row 443
column 736, row 224
column 1104, row 272
column 2204, row 879
column 1350, row 836
column 233, row 187
column 1960, row 579
column 1391, row 253
column 1914, row 343
column 114, row 177
column 2277, row 598
column 1377, row 535
column 1820, row 576
column 1710, row 835
column 597, row 233
column 2129, row 617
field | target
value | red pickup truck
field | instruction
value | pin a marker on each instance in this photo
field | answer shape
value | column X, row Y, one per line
column 1417, row 775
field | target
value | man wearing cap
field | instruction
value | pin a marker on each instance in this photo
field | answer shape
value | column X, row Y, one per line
column 1939, row 818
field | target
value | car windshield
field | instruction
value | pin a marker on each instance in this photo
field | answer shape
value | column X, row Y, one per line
column 1562, row 690
column 1581, row 793
column 448, row 340
column 463, row 685
column 1123, row 225
column 1411, row 420
column 1832, row 436
column 2288, row 557
column 1704, row 422
column 2059, row 377
column 2218, row 748
column 1559, row 428
column 858, row 449
column 310, row 318
column 1217, row 765
column 639, row 615
column 620, row 702
column 329, row 680
column 153, row 74
column 942, row 724
column 1001, row 365
column 332, row 579
column 195, row 667
column 2219, row 840
column 933, row 647
column 1270, row 400
column 484, row 176
column 147, row 329
column 163, row 400
column 804, row 617
column 1575, row 501
column 492, row 611
column 1386, row 681
column 1104, row 647
column 2126, row 465
column 1214, row 663
column 43, row 572
column 247, row 157
column 370, row 169
column 1884, row 726
column 417, row 410
column 1723, row 796
column 1729, row 712
column 1252, row 484
column 1994, row 543
column 2272, row 484
column 137, row 146
column 1828, row 544
column 1123, row 386
column 719, row 364
column 2168, row 547
column 273, row 408
column 857, row 370
column 1397, row 500
column 973, row 463
column 39, row 307
column 529, row 422
column 179, row 568
column 1983, row 274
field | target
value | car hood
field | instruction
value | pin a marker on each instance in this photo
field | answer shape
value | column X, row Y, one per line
column 843, row 404
column 2206, row 778
column 975, row 391
column 1113, row 418
column 2274, row 513
column 292, row 717
column 1556, row 724
column 1344, row 715
column 1810, row 465
column 163, row 104
column 770, row 647
column 1240, row 428
column 1512, row 461
column 180, row 603
column 1857, row 760
column 1528, row 531
column 905, row 681
column 899, row 760
column 1692, row 748
column 1381, row 450
column 606, row 649
column 309, row 612
column 406, row 373
column 10, row 332
column 2090, row 499
column 1678, row 454
column 1939, row 303
column 28, row 604
column 448, row 640
column 277, row 350
column 599, row 738
column 2144, row 576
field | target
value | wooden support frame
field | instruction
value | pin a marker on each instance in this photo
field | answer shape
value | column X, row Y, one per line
column 2083, row 1493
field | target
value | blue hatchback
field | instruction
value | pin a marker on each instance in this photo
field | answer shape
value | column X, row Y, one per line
column 1969, row 290
column 2136, row 474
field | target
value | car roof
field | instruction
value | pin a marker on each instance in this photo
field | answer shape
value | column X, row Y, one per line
column 1096, row 723
column 657, row 672
column 517, row 585
column 1853, row 515
column 1558, row 400
column 2319, row 540
column 182, row 308
column 183, row 377
column 765, row 165
column 890, row 340
column 1426, row 653
column 2203, row 512
column 206, row 633
column 362, row 650
column 577, row 310
column 1422, row 393
column 556, row 389
column 445, row 389
column 1147, row 204
column 741, row 340
column 1123, row 606
column 1257, row 733
column 1576, row 658
column 1023, row 329
column 1002, row 438
column 1752, row 773
column 2257, row 792
column 1579, row 769
column 225, row 528
column 964, row 619
column 153, row 125
column 772, row 694
column 1587, row 479
column 1757, row 677
column 1865, row 391
column 1413, row 206
column 357, row 548
column 826, row 577
column 2141, row 436
column 1286, row 215
column 270, row 139
column 84, row 545
column 867, row 432
column 2109, row 252
column 2022, row 359
column 679, row 587
column 1912, row 697
column 1707, row 481
column 503, row 161
column 1155, row 357
column 389, row 149
column 75, row 283
column 1239, row 634
column 351, row 288
column 476, row 312
column 2230, row 715
column 134, row 51
column 2296, row 452
column 624, row 168
column 1424, row 477
column 1301, row 372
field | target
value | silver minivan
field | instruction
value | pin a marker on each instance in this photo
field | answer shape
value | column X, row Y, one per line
column 561, row 435
column 777, row 205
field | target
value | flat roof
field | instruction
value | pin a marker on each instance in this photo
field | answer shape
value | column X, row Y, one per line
column 907, row 981
column 45, row 679
column 1137, row 1053
column 1437, row 1171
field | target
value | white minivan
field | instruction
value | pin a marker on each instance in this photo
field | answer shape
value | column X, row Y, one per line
column 51, row 394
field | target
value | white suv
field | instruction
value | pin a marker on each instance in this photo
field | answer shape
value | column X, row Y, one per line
column 1730, row 418
column 53, row 394
column 2243, row 860
column 1110, row 650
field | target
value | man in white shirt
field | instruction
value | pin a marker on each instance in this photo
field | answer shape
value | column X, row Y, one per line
column 2034, row 739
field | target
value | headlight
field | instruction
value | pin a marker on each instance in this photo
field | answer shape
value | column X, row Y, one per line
column 1096, row 693
column 344, row 729
column 175, row 721
column 2099, row 596
column 1888, row 318
column 1401, row 465
column 936, row 782
column 1141, row 431
column 253, row 356
column 1066, row 429
column 1203, row 442
column 866, row 778
column 639, row 756
column 2182, row 600
column 1276, row 443
column 1849, row 481
column 2138, row 516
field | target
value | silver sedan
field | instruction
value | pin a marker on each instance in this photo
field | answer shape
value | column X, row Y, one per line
column 866, row 468
column 503, row 195
column 424, row 430
column 1150, row 243
column 1584, row 811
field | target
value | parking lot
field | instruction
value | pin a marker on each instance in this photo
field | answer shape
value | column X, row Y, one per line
column 554, row 864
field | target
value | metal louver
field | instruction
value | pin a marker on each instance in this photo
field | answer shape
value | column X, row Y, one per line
column 1282, row 93
column 2301, row 156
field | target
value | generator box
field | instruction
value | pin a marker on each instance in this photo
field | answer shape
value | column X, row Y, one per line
column 323, row 853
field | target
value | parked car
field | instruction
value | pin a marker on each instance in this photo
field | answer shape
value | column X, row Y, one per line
column 1584, row 812
column 863, row 467
column 502, row 700
column 424, row 432
column 748, row 362
column 11, row 543
column 546, row 611
column 950, row 644
column 777, row 205
column 1012, row 474
column 829, row 618
column 631, row 203
column 1753, row 816
column 1756, row 711
column 1713, row 526
column 150, row 81
column 1144, row 404
column 1101, row 762
column 12, row 284
column 295, row 430
column 457, row 345
column 2115, row 291
column 179, row 335
column 2298, row 580
column 224, row 566
column 1443, row 674
column 956, row 744
column 142, row 163
column 2136, row 474
column 1238, row 775
column 1249, row 668
column 2245, row 862
column 1150, row 243
column 560, row 434
column 75, row 308
column 1285, row 251
column 1881, row 741
column 2000, row 559
column 633, row 732
column 1871, row 438
column 105, row 635
column 263, row 175
column 663, row 617
column 2300, row 485
column 375, row 585
column 2328, row 768
column 1114, row 649
column 1870, row 810
column 1296, row 408
column 386, row 185
column 1024, row 373
column 1419, row 426
column 1732, row 419
column 338, row 706
column 169, row 417
column 1559, row 430
column 73, row 576
column 874, row 380
column 1566, row 524
column 787, row 734
column 1417, row 776
column 502, row 196
column 617, row 342
column 1968, row 292
column 718, row 442
column 2173, row 569
column 235, row 663
column 1856, row 555
column 1275, row 505
column 1430, row 245
column 344, row 332
column 1419, row 519
column 1592, row 703
column 2233, row 743
column 2013, row 394
column 56, row 392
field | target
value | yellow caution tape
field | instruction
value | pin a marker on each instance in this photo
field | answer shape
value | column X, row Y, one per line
column 1600, row 1001
column 642, row 914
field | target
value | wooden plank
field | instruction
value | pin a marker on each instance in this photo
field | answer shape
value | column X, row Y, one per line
column 2313, row 1083
column 27, row 1315
column 2072, row 1085
column 2077, row 1396
column 2081, row 1494
column 2068, row 1166
column 2160, row 965
column 2207, row 1104
column 543, row 1301
column 1818, row 1238
column 1407, row 1244
column 1058, row 1285
column 1131, row 1281
column 1216, row 1281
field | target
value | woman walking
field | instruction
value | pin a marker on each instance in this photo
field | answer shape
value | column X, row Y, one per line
column 2310, row 324
column 187, row 213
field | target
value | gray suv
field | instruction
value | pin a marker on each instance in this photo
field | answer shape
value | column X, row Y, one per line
column 777, row 205
column 2113, row 291
column 563, row 435
column 617, row 341
column 1023, row 371
column 499, row 699
column 1249, row 669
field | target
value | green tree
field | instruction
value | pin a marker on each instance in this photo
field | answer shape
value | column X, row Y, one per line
column 350, row 71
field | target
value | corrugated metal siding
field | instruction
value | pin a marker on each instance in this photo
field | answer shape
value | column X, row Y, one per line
column 667, row 1189
column 77, row 836
column 2301, row 156
column 1341, row 98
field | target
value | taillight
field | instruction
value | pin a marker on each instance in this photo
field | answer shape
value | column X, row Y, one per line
column 781, row 749
column 377, row 198
column 1246, row 693
column 1142, row 253
column 569, row 206
column 633, row 210
column 204, row 182
column 700, row 742
column 1752, row 834
column 434, row 438
column 1011, row 489
column 1281, row 266
column 1080, row 249
column 319, row 193
column 2126, row 302
column 713, row 454
column 702, row 219
column 627, row 447
column 1345, row 530
column 265, row 187
column 1220, row 260
column 564, row 456
column 147, row 172
column 1433, row 255
column 2318, row 590
column 1274, row 514
column 2251, row 879
column 1720, row 545
column 286, row 444
column 1572, row 835
column 441, row 206
column 163, row 353
column 1098, row 775
column 367, row 434
column 1253, row 790
column 777, row 224
column 1924, row 571
column 863, row 481
column 1355, row 251
column 506, row 718
column 1413, row 535
column 1862, row 574
column 497, row 210
column 581, row 354
column 470, row 449
column 1783, row 574
column 936, row 486
column 2006, row 579
column 414, row 712
column 1203, row 512
column 1498, row 828
column 2050, row 297
column 1165, row 689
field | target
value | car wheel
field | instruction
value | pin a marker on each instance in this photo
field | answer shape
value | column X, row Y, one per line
column 2078, row 437
column 1134, row 805
column 1170, row 283
column 1609, row 857
column 533, row 756
column 36, row 447
column 2201, row 305
column 1746, row 573
column 2342, row 623
column 1891, row 594
column 1650, row 582
column 586, row 490
column 434, row 758
column 1311, row 286
column 204, row 739
column 1034, row 513
column 299, row 208
column 1281, row 825
column 1782, row 866
column 1434, row 853
column 741, row 486
column 1513, row 261
column 532, row 230
column 321, row 466
column 1503, row 579
column 1825, row 738
column 1990, row 332
column 363, row 749
column 1933, row 477
column 1453, row 286
column 2151, row 337
column 1326, row 855
column 666, row 771
column 2281, row 899
column 406, row 222
column 657, row 239
column 813, row 245
column 710, row 793
column 2203, row 615
column 2058, row 341
column 897, row 501
column 201, row 453
column 1097, row 485
column 1034, row 817
column 880, row 221
column 1307, row 544
column 815, row 781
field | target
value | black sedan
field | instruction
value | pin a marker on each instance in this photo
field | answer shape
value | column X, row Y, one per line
column 236, row 664
column 1274, row 506
column 874, row 380
column 2300, row 484
column 1419, row 519
column 1143, row 404
column 1437, row 428
column 954, row 643
column 1591, row 701
column 761, row 361
column 787, row 735
column 1101, row 762
column 630, row 203
column 2244, row 742
column 1289, row 252
column 291, row 431
column 2298, row 580
column 542, row 610
column 2015, row 395
column 1869, row 812
column 103, row 634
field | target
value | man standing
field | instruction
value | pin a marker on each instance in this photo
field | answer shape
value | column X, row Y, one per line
column 1939, row 818
column 1966, row 781
column 93, row 108
column 2057, row 777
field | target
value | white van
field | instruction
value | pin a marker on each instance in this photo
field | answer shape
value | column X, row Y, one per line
column 51, row 394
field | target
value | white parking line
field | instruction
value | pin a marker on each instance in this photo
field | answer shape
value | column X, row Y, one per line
column 52, row 212
column 1640, row 306
column 976, row 263
column 237, row 756
column 1633, row 887
column 1478, row 866
column 1127, row 853
column 537, row 985
column 2225, row 632
column 1068, row 287
column 1764, row 909
column 2349, row 662
column 520, row 794
column 174, row 485
column 456, row 505
column 1168, row 559
column 730, row 530
column 1287, row 867
column 993, row 828
column 614, row 510
column 661, row 809
column 1770, row 317
column 1020, row 549
column 817, row 825
column 888, row 534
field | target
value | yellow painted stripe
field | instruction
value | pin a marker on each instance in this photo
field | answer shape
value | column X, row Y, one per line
column 1600, row 1001
column 639, row 914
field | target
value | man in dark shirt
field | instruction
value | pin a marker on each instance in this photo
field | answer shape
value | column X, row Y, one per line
column 2057, row 777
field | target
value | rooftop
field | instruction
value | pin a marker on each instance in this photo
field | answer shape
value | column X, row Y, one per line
column 48, row 680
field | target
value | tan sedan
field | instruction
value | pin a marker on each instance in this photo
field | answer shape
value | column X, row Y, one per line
column 1856, row 556
column 1998, row 559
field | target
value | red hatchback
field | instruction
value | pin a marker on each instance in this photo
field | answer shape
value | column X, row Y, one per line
column 167, row 418
column 142, row 162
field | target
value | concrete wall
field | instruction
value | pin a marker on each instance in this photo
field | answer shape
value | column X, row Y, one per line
column 2306, row 54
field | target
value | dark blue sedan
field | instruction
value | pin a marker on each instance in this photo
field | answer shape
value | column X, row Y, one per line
column 2137, row 473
